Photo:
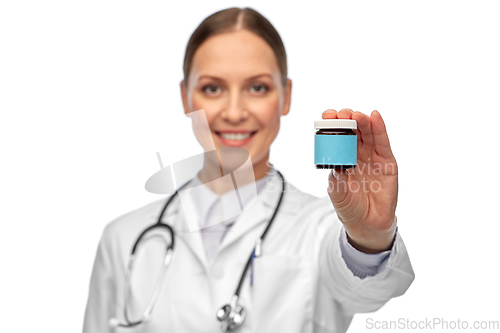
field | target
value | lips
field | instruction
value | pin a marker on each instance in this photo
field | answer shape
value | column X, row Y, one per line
column 235, row 138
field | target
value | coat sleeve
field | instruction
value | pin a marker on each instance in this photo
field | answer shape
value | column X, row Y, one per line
column 101, row 297
column 358, row 295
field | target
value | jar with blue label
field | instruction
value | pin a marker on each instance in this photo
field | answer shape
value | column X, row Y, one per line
column 335, row 144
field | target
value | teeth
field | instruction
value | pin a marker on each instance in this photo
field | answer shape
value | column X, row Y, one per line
column 235, row 136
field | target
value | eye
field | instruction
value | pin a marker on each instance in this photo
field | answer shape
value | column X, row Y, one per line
column 258, row 88
column 212, row 89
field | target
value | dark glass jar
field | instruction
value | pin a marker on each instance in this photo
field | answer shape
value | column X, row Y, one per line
column 335, row 144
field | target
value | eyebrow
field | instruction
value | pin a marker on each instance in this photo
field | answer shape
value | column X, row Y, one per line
column 220, row 79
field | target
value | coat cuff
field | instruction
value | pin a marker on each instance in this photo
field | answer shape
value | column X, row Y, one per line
column 361, row 295
column 362, row 264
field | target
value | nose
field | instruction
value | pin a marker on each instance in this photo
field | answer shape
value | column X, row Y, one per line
column 235, row 110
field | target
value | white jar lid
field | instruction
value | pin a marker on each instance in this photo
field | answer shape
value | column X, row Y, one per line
column 336, row 123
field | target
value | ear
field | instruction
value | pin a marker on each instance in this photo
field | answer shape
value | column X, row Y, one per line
column 288, row 97
column 184, row 97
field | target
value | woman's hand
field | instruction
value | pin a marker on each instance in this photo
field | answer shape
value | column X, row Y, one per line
column 365, row 197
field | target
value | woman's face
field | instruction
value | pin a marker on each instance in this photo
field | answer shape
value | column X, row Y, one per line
column 235, row 78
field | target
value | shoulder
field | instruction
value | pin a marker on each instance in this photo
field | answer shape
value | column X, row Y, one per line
column 124, row 228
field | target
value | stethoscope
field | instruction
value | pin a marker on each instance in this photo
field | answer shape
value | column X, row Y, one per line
column 231, row 316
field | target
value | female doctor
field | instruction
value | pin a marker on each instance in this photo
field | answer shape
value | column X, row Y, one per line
column 320, row 261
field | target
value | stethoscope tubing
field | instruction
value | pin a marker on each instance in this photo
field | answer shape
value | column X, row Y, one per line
column 249, row 261
column 170, row 249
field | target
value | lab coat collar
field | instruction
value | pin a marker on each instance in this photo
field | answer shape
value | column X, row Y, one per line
column 262, row 209
column 204, row 198
column 259, row 212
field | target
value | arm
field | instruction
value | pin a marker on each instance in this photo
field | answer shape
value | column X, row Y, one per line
column 365, row 201
column 101, row 291
column 361, row 264
column 355, row 294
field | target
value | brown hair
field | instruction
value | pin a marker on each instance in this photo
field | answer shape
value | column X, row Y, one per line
column 229, row 20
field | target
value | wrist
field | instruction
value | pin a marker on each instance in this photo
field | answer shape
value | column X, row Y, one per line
column 370, row 241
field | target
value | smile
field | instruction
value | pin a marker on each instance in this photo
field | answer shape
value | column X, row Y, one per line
column 235, row 138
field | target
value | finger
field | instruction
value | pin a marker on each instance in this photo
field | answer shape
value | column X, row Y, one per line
column 380, row 137
column 329, row 114
column 364, row 127
column 337, row 185
column 344, row 114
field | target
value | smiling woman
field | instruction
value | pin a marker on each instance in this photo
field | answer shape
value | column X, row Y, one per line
column 323, row 259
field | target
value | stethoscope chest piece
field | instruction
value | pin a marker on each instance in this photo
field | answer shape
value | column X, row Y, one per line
column 231, row 316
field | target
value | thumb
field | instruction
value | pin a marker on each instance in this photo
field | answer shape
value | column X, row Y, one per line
column 338, row 186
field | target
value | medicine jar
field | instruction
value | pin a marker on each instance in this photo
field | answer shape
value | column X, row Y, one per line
column 335, row 144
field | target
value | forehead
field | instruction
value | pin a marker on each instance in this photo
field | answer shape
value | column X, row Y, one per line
column 234, row 54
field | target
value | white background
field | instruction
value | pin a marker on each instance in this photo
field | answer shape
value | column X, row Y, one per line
column 89, row 92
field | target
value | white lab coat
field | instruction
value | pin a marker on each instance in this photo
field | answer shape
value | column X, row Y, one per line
column 301, row 282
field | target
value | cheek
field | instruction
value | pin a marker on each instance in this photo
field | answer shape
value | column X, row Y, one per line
column 211, row 106
column 267, row 111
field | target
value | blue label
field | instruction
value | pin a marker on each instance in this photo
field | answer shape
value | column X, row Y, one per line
column 335, row 149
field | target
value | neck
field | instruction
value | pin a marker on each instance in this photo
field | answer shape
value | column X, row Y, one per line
column 212, row 170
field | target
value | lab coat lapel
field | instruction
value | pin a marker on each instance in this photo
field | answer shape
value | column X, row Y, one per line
column 193, row 240
column 260, row 211
column 250, row 218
